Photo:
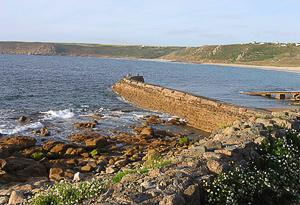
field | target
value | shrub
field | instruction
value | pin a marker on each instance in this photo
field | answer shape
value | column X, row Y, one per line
column 275, row 179
column 66, row 193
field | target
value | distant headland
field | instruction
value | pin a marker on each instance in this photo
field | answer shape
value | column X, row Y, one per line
column 269, row 55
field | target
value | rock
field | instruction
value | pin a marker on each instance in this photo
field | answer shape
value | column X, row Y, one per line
column 174, row 199
column 192, row 195
column 78, row 176
column 23, row 168
column 223, row 151
column 116, row 116
column 2, row 163
column 52, row 155
column 260, row 140
column 130, row 177
column 22, row 118
column 257, row 128
column 85, row 124
column 102, row 162
column 98, row 169
column 266, row 122
column 153, row 154
column 213, row 145
column 81, row 163
column 4, row 200
column 197, row 151
column 147, row 131
column 81, row 137
column 229, row 131
column 36, row 170
column 56, row 173
column 279, row 133
column 61, row 148
column 212, row 155
column 97, row 115
column 86, row 168
column 44, row 131
column 69, row 174
column 216, row 166
column 180, row 174
column 283, row 123
column 110, row 170
column 50, row 144
column 18, row 142
column 73, row 151
column 121, row 163
column 16, row 197
column 112, row 161
column 147, row 184
column 97, row 142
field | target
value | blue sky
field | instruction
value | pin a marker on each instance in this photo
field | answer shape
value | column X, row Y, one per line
column 150, row 22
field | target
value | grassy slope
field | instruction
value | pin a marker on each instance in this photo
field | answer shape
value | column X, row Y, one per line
column 250, row 54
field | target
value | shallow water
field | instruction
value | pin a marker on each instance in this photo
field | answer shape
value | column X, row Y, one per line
column 58, row 91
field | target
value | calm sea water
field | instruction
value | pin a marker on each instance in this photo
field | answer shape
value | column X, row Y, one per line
column 58, row 91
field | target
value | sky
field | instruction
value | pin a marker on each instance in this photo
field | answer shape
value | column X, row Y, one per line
column 150, row 22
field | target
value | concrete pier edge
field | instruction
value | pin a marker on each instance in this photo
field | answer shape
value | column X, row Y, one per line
column 200, row 112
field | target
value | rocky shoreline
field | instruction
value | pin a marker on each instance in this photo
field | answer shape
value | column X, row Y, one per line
column 25, row 168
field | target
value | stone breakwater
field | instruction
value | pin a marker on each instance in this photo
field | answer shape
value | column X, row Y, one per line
column 200, row 112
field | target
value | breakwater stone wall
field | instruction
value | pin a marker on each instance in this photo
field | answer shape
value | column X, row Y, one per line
column 199, row 112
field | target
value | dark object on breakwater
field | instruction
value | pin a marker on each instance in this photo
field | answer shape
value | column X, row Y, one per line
column 278, row 94
column 137, row 77
column 200, row 112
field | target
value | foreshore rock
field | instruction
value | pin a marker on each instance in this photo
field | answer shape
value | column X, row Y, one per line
column 98, row 157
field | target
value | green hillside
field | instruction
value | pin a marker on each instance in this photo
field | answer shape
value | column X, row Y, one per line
column 269, row 54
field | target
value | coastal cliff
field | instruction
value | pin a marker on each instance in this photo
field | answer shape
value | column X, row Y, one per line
column 200, row 112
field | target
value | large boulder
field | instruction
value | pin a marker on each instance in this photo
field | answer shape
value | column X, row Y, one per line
column 18, row 142
column 49, row 145
column 62, row 148
column 21, row 168
column 96, row 142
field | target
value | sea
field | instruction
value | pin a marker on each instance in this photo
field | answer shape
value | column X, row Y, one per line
column 57, row 91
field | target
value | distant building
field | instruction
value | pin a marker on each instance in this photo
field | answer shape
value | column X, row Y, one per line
column 284, row 45
column 276, row 42
column 261, row 43
column 297, row 44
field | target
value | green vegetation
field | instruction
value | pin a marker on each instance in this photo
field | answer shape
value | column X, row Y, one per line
column 267, row 54
column 66, row 193
column 184, row 140
column 95, row 152
column 118, row 177
column 37, row 156
column 153, row 161
column 53, row 155
column 273, row 179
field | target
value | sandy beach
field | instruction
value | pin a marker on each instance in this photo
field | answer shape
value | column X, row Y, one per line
column 293, row 69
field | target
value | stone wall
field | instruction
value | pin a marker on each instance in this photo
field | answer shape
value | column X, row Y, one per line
column 200, row 112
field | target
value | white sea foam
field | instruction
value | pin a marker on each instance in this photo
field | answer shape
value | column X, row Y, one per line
column 21, row 128
column 60, row 114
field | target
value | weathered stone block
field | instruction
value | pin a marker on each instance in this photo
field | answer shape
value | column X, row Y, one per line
column 196, row 151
